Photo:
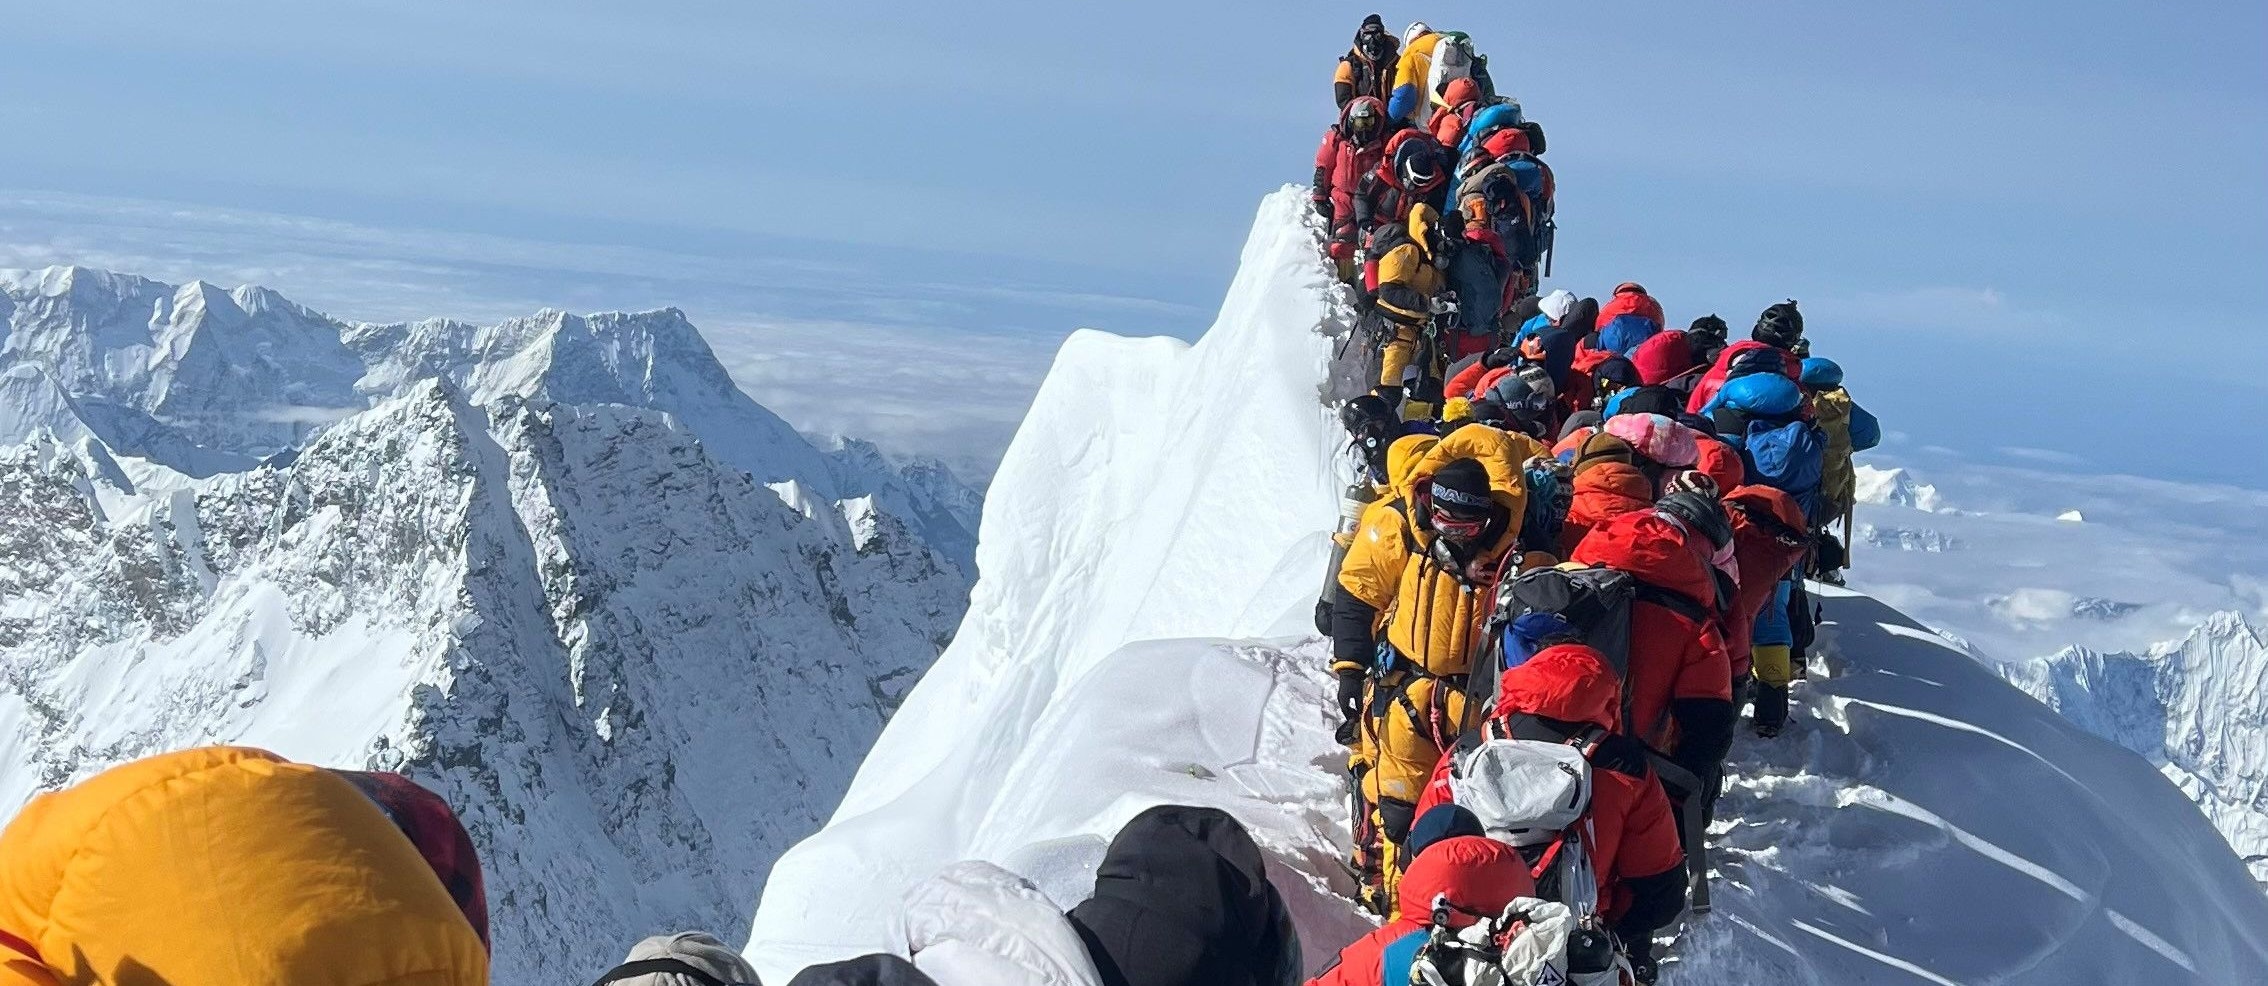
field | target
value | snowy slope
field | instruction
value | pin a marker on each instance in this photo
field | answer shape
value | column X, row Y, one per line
column 2198, row 708
column 1151, row 547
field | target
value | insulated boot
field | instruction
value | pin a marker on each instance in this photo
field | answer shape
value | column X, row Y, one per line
column 1771, row 709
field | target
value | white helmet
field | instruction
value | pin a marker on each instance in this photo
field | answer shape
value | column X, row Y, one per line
column 1416, row 30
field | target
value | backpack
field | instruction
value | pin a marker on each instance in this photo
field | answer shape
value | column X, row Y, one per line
column 1383, row 239
column 1553, row 605
column 1789, row 456
column 1489, row 121
column 1533, row 943
column 1535, row 795
column 1452, row 60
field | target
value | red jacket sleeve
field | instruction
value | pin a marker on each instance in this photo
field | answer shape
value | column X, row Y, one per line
column 1706, row 671
column 1464, row 383
column 1359, row 964
column 1649, row 836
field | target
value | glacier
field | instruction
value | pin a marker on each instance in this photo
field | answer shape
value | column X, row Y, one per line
column 1138, row 635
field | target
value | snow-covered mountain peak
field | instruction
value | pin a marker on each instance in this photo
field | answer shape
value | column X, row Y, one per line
column 206, row 381
column 1898, row 487
column 2197, row 708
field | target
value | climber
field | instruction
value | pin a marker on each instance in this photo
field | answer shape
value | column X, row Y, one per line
column 1182, row 898
column 1764, row 415
column 1403, row 278
column 1411, row 171
column 1627, row 319
column 1460, row 99
column 1412, row 72
column 1630, row 833
column 975, row 924
column 1413, row 588
column 1367, row 69
column 1497, row 210
column 1778, row 331
column 1769, row 541
column 1706, row 337
column 1476, row 875
column 1667, row 360
column 1556, row 330
column 688, row 958
column 221, row 866
column 1639, row 453
column 1850, row 429
column 1350, row 150
column 1680, row 676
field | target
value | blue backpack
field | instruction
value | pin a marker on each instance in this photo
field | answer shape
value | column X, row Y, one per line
column 1789, row 456
column 1489, row 120
column 1625, row 332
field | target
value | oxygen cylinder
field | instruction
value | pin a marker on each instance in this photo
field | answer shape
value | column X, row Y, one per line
column 1352, row 504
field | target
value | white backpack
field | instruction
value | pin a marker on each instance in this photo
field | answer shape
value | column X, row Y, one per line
column 1452, row 60
column 1531, row 794
column 1526, row 946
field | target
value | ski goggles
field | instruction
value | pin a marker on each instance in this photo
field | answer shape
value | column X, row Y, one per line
column 1458, row 525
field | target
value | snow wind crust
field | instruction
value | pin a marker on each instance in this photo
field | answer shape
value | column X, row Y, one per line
column 1149, row 553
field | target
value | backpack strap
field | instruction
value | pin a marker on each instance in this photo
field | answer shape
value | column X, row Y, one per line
column 1399, row 955
column 1676, row 602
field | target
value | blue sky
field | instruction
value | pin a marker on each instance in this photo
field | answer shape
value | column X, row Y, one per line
column 2031, row 231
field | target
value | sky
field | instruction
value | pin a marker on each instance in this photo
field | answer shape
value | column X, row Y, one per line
column 2032, row 233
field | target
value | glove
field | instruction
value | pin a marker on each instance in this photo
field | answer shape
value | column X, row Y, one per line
column 1323, row 207
column 1350, row 696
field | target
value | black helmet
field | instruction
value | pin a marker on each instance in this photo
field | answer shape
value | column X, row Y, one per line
column 1366, row 118
column 1371, row 425
column 1780, row 325
column 1699, row 514
column 1708, row 325
column 1418, row 164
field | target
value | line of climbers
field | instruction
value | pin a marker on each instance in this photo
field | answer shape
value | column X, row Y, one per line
column 1436, row 199
column 1578, row 551
column 1551, row 602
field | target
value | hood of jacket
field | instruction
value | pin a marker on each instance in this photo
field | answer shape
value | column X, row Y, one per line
column 975, row 924
column 1665, row 357
column 1656, row 551
column 1403, row 459
column 1568, row 682
column 1750, row 504
column 1182, row 898
column 220, row 866
column 1478, row 874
